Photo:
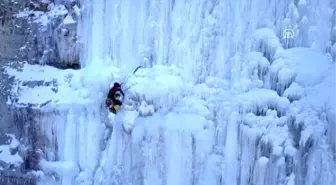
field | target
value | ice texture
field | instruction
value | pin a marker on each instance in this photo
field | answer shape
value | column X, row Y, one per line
column 221, row 98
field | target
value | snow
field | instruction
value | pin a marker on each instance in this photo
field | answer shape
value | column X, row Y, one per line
column 218, row 100
column 129, row 120
column 294, row 91
column 265, row 39
column 310, row 109
column 260, row 99
column 6, row 154
column 65, row 167
column 160, row 86
column 313, row 97
column 68, row 20
column 77, row 10
column 304, row 62
column 146, row 110
column 44, row 18
column 49, row 85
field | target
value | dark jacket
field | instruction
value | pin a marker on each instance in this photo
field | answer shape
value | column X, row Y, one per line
column 112, row 92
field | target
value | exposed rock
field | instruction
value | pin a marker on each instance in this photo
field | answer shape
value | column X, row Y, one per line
column 33, row 143
column 12, row 31
column 34, row 31
column 66, row 40
column 40, row 32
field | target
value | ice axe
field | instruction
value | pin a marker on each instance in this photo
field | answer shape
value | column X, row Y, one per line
column 136, row 69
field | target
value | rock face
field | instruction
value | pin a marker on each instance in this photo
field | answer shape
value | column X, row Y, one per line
column 40, row 32
column 12, row 34
column 12, row 165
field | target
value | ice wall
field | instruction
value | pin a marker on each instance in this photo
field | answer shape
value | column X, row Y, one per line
column 254, row 138
column 199, row 36
column 221, row 101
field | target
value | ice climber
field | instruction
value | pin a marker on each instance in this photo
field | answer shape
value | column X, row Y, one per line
column 115, row 98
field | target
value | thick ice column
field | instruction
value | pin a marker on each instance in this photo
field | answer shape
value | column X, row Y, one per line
column 84, row 32
column 231, row 150
column 115, row 163
column 247, row 152
column 73, row 142
column 260, row 171
column 119, row 30
column 207, row 162
column 178, row 158
column 98, row 46
column 80, row 138
column 153, row 150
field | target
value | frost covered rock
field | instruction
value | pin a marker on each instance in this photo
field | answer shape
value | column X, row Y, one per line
column 35, row 94
column 12, row 31
column 10, row 158
column 12, row 162
column 29, row 33
column 49, row 47
column 66, row 41
column 36, row 91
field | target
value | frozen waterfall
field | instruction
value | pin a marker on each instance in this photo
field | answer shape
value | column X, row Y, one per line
column 223, row 98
